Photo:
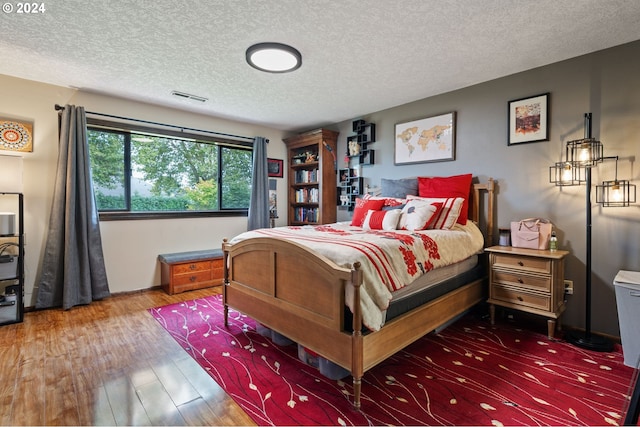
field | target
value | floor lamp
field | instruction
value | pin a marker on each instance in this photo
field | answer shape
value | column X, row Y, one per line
column 580, row 156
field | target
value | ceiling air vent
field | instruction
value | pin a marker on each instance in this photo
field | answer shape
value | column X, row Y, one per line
column 184, row 95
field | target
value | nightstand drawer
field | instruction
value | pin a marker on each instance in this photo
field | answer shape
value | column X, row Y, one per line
column 519, row 297
column 532, row 264
column 513, row 278
column 191, row 267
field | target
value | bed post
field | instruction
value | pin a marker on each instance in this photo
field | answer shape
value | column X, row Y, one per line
column 490, row 189
column 476, row 202
column 356, row 336
column 225, row 283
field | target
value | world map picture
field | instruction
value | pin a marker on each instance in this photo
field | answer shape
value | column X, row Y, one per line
column 426, row 140
column 16, row 135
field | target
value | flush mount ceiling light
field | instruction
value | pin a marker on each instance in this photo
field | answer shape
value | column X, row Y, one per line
column 273, row 57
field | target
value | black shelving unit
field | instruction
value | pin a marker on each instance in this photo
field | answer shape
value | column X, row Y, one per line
column 350, row 187
column 12, row 269
column 365, row 135
column 351, row 184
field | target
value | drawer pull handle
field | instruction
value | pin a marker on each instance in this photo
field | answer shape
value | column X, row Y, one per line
column 192, row 266
column 520, row 299
column 520, row 263
column 193, row 278
column 520, row 280
column 634, row 293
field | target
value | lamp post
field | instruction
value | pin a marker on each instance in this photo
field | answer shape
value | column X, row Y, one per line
column 580, row 156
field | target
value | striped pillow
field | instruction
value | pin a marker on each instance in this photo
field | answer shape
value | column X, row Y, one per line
column 447, row 216
column 382, row 220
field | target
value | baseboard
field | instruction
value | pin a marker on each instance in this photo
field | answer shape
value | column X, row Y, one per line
column 31, row 308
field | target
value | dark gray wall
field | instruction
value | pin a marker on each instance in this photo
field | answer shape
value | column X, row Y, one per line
column 605, row 83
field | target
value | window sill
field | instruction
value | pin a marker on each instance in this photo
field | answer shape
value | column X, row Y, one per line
column 126, row 216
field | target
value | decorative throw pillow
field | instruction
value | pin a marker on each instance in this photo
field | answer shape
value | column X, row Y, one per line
column 418, row 214
column 382, row 220
column 399, row 188
column 362, row 207
column 446, row 217
column 451, row 186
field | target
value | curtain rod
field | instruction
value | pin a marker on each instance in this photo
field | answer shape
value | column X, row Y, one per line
column 60, row 107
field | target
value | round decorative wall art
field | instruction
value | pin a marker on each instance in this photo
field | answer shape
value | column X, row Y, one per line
column 16, row 135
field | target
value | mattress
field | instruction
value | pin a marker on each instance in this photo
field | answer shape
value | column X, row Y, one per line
column 430, row 286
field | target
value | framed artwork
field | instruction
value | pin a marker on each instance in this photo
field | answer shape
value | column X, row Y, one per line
column 432, row 139
column 529, row 119
column 274, row 167
column 16, row 135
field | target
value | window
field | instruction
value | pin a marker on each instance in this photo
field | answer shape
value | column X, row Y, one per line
column 142, row 172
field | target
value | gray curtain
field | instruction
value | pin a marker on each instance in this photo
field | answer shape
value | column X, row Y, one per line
column 73, row 270
column 259, row 204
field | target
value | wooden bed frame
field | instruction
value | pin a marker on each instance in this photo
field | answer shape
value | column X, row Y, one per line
column 301, row 295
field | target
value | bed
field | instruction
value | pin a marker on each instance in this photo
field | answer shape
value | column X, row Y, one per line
column 291, row 288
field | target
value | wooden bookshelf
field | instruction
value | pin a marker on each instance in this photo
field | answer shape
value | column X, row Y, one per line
column 312, row 192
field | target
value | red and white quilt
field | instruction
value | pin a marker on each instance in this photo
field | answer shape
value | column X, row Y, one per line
column 390, row 260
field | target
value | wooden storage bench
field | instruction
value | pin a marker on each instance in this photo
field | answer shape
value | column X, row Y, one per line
column 185, row 271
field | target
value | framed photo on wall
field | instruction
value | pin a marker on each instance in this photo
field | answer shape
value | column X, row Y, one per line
column 16, row 135
column 274, row 168
column 529, row 119
column 432, row 139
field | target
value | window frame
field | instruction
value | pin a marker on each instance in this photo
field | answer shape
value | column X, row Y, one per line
column 198, row 137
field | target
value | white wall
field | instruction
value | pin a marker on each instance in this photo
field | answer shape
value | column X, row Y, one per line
column 130, row 247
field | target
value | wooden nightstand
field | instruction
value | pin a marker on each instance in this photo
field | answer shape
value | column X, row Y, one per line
column 529, row 280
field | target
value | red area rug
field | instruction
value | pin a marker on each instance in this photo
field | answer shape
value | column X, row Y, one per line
column 469, row 374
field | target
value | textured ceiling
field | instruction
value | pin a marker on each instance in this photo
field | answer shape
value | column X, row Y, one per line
column 358, row 56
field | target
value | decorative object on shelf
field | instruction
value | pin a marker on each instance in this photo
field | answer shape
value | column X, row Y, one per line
column 529, row 119
column 354, row 148
column 274, row 168
column 16, row 135
column 426, row 140
column 580, row 156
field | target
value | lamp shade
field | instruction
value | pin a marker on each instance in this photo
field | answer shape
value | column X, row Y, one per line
column 616, row 193
column 10, row 174
column 566, row 174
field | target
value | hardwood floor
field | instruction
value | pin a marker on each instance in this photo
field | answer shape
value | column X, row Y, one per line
column 108, row 363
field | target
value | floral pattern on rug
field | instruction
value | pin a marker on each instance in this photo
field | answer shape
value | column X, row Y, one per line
column 469, row 374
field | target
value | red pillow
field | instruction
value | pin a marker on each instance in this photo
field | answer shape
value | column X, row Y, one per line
column 452, row 186
column 362, row 207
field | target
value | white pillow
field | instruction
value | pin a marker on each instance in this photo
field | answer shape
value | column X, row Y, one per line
column 381, row 220
column 445, row 217
column 417, row 215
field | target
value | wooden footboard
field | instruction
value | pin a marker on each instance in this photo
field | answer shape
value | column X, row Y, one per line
column 296, row 292
column 301, row 295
